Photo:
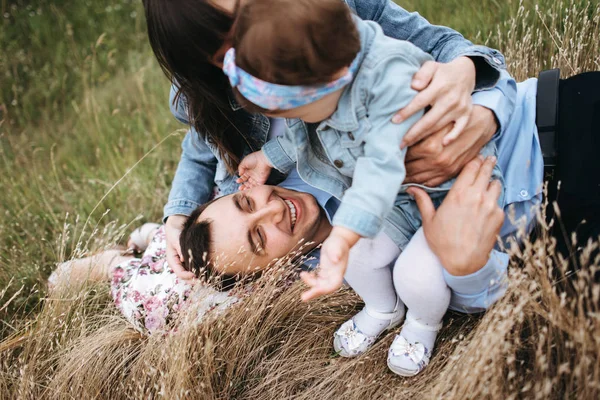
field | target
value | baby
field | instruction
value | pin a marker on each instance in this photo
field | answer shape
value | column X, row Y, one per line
column 339, row 81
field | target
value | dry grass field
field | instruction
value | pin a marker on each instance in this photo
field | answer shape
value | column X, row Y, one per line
column 97, row 159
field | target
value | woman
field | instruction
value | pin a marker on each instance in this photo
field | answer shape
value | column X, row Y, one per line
column 190, row 38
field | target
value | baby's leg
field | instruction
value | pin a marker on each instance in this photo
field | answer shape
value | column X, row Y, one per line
column 420, row 284
column 369, row 273
column 94, row 268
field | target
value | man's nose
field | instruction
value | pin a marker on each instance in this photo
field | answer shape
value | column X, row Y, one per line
column 272, row 211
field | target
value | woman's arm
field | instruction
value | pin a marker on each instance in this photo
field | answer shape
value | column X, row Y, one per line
column 430, row 162
column 443, row 43
column 194, row 179
column 192, row 185
column 438, row 160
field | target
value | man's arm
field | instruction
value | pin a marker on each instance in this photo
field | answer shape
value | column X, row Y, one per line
column 463, row 231
column 500, row 100
column 476, row 292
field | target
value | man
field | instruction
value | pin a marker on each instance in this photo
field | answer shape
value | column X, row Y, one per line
column 247, row 230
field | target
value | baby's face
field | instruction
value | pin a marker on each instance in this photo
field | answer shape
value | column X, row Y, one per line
column 316, row 111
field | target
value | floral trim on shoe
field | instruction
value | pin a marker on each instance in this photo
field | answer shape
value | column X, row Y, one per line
column 349, row 341
column 417, row 352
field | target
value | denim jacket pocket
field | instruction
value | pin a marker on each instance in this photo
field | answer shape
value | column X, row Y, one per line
column 225, row 183
column 342, row 150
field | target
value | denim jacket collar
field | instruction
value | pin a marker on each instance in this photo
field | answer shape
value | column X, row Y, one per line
column 344, row 118
column 235, row 106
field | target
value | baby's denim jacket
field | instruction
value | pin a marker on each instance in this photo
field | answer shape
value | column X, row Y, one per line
column 355, row 154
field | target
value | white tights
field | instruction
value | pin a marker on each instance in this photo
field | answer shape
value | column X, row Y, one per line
column 380, row 274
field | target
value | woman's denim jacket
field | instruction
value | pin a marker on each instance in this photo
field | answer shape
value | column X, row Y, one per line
column 200, row 168
column 355, row 154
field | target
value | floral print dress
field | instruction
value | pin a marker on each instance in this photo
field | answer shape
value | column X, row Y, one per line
column 150, row 295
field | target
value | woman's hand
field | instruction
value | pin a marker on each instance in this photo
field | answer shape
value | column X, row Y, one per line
column 447, row 89
column 464, row 229
column 431, row 163
column 254, row 170
column 173, row 228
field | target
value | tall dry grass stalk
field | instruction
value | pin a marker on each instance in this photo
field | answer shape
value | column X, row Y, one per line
column 541, row 340
column 565, row 35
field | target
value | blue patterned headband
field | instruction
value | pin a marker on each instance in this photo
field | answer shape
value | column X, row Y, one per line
column 271, row 96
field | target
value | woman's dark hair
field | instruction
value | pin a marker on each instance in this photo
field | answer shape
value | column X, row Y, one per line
column 195, row 245
column 185, row 35
column 294, row 42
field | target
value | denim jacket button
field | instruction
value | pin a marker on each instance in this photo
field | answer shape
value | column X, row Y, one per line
column 524, row 193
column 350, row 135
column 338, row 163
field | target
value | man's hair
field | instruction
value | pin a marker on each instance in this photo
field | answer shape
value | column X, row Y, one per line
column 293, row 42
column 195, row 242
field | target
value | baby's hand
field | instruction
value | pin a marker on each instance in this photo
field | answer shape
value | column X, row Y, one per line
column 330, row 275
column 254, row 170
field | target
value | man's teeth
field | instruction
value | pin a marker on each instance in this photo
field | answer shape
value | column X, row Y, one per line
column 292, row 212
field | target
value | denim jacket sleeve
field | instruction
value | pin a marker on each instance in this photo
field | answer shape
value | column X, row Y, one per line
column 443, row 43
column 194, row 179
column 380, row 171
column 280, row 151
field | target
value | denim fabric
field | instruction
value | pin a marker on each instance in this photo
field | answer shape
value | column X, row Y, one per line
column 200, row 167
column 520, row 158
column 355, row 154
column 443, row 43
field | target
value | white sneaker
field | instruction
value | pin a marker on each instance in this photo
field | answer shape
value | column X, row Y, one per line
column 349, row 341
column 408, row 358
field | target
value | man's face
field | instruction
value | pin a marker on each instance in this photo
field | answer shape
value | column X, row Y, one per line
column 250, row 229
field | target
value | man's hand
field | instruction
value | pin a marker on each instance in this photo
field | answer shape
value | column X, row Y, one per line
column 447, row 89
column 254, row 170
column 329, row 277
column 464, row 229
column 431, row 163
column 173, row 228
